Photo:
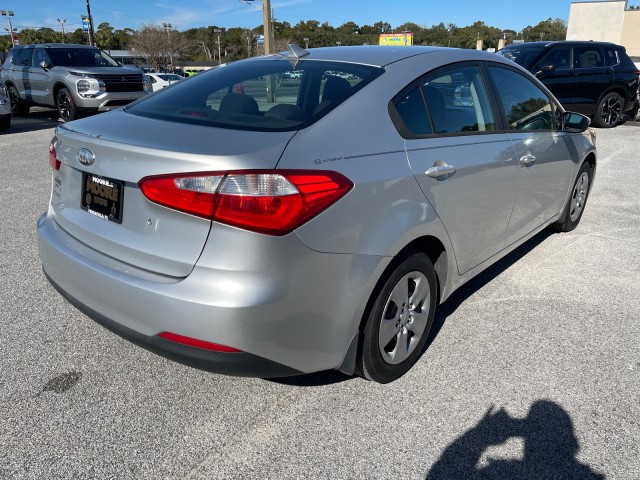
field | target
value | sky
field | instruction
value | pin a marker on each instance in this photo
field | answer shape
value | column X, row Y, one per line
column 184, row 14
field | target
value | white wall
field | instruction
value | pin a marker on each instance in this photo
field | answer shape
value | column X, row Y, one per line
column 601, row 21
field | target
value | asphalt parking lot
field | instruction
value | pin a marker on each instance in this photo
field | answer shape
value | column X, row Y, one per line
column 533, row 370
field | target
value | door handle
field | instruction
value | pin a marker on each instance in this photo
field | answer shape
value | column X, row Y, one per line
column 527, row 159
column 440, row 171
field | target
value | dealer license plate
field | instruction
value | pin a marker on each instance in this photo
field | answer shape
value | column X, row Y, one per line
column 102, row 197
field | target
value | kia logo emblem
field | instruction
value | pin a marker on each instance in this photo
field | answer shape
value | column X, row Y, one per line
column 86, row 157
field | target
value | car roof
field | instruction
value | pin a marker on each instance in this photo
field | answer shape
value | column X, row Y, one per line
column 57, row 45
column 561, row 42
column 377, row 55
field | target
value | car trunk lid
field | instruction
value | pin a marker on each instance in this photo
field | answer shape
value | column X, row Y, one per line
column 118, row 151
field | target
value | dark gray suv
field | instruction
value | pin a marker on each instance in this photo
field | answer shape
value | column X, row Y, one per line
column 71, row 78
column 597, row 79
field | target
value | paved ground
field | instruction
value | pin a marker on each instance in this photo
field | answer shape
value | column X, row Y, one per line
column 533, row 370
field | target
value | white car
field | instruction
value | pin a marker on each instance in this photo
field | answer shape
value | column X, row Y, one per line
column 161, row 80
column 5, row 109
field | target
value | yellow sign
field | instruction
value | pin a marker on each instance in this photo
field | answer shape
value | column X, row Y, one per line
column 396, row 39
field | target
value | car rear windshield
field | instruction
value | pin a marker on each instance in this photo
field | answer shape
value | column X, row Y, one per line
column 80, row 57
column 522, row 55
column 261, row 94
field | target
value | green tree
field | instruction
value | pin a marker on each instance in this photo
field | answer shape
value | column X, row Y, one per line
column 549, row 29
column 78, row 37
column 104, row 36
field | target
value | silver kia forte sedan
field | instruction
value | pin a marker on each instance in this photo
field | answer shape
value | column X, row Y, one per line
column 308, row 210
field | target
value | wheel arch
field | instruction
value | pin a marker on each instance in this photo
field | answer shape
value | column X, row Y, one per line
column 56, row 88
column 437, row 253
column 591, row 160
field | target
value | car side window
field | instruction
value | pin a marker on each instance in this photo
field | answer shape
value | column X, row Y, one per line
column 413, row 112
column 526, row 106
column 588, row 57
column 40, row 55
column 24, row 58
column 610, row 56
column 457, row 101
column 560, row 57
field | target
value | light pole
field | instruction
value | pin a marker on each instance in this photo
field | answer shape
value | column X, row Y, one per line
column 217, row 31
column 9, row 14
column 62, row 22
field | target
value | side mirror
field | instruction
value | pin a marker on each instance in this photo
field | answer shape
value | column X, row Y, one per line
column 45, row 66
column 575, row 122
column 545, row 69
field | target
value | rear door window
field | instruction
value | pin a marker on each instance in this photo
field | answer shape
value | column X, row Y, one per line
column 588, row 57
column 454, row 100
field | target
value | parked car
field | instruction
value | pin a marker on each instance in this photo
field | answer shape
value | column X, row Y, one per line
column 71, row 78
column 297, row 229
column 597, row 79
column 161, row 80
column 5, row 109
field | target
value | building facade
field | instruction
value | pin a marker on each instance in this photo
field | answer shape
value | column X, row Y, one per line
column 616, row 21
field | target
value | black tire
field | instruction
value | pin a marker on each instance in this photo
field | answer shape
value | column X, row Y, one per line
column 401, row 309
column 18, row 107
column 609, row 111
column 5, row 122
column 577, row 201
column 66, row 105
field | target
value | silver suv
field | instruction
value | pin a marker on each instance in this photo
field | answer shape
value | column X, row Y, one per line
column 71, row 78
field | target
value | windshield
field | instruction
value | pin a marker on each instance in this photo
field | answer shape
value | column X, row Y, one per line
column 522, row 55
column 81, row 57
column 259, row 94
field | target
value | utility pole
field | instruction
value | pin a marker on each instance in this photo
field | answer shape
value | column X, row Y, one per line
column 9, row 14
column 92, row 33
column 62, row 22
column 268, row 28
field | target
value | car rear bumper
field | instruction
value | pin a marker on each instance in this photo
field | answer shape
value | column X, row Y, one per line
column 240, row 364
column 297, row 319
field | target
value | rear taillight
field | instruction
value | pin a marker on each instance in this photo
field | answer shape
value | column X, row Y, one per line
column 194, row 342
column 271, row 202
column 54, row 163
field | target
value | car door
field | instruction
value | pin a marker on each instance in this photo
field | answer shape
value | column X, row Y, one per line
column 594, row 78
column 555, row 70
column 464, row 166
column 39, row 78
column 543, row 155
column 20, row 72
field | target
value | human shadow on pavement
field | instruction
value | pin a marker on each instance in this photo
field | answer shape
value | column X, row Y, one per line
column 550, row 448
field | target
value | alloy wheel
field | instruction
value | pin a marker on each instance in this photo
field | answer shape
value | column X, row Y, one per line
column 579, row 196
column 405, row 318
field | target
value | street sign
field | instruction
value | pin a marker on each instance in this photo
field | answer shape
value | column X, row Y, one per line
column 261, row 40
